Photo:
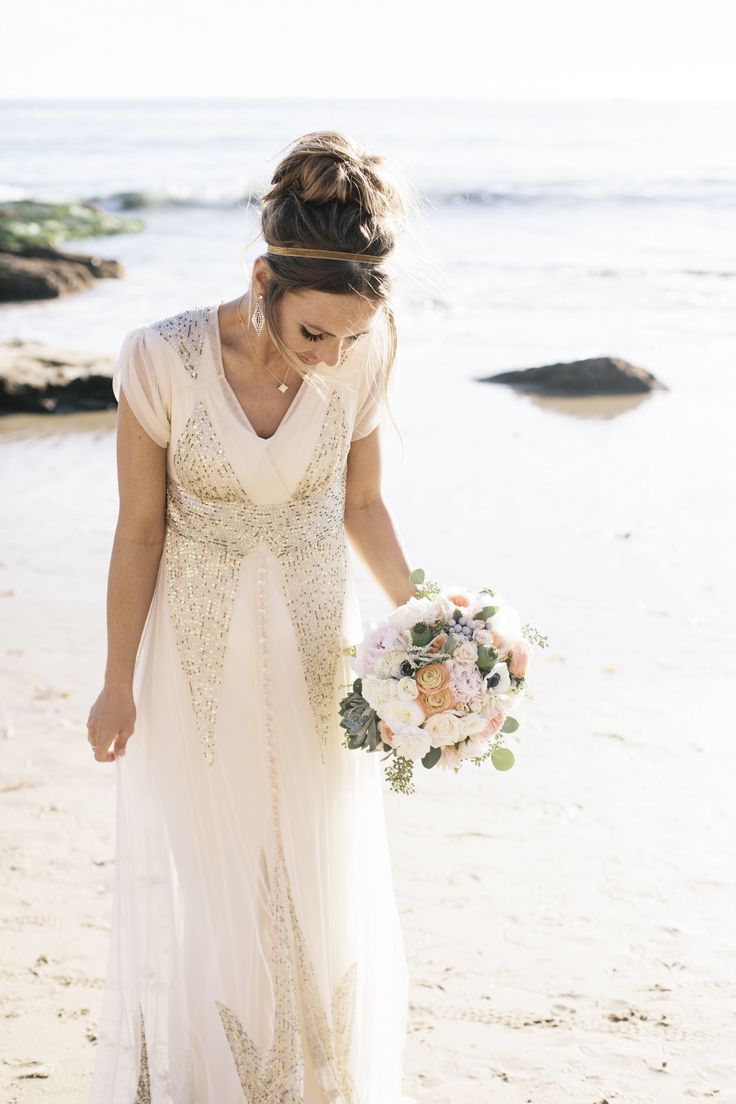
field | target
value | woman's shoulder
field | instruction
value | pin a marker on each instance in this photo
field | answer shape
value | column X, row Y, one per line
column 183, row 334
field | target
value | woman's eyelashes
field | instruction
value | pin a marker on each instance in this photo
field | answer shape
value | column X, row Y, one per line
column 318, row 337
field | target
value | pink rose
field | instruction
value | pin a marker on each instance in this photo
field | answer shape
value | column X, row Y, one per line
column 495, row 721
column 519, row 661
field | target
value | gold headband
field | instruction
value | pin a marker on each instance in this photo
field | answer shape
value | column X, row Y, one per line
column 325, row 254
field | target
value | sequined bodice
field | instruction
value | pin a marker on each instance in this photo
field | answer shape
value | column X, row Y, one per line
column 212, row 523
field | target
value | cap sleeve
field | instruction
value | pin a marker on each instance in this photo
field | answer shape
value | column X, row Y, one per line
column 143, row 372
column 370, row 408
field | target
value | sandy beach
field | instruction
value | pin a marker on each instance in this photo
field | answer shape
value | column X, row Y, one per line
column 568, row 924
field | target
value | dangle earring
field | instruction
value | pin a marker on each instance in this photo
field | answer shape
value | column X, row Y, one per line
column 258, row 318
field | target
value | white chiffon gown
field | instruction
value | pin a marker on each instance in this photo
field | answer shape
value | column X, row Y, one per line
column 256, row 952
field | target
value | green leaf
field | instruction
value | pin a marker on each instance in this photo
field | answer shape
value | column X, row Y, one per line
column 502, row 758
column 417, row 575
column 510, row 725
column 485, row 613
column 431, row 757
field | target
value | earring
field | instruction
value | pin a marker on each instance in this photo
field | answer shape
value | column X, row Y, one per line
column 258, row 318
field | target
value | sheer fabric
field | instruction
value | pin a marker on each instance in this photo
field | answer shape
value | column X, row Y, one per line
column 256, row 951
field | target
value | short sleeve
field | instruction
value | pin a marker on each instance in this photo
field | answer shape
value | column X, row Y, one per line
column 143, row 372
column 370, row 410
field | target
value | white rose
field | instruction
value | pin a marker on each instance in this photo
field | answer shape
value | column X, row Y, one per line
column 465, row 652
column 412, row 611
column 406, row 688
column 376, row 691
column 449, row 759
column 472, row 723
column 506, row 622
column 400, row 712
column 483, row 636
column 472, row 748
column 444, row 729
column 411, row 741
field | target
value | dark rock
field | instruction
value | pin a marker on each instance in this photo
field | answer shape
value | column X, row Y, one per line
column 31, row 264
column 42, row 379
column 594, row 376
column 40, row 272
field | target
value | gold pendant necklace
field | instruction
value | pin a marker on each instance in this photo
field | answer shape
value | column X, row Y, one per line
column 283, row 385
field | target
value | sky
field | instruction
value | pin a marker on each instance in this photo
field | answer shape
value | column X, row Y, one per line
column 515, row 49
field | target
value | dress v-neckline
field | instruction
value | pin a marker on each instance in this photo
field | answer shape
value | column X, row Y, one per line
column 220, row 365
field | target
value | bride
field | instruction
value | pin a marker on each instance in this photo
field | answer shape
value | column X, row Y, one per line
column 256, row 951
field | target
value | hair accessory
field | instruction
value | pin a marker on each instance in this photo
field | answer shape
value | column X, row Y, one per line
column 325, row 254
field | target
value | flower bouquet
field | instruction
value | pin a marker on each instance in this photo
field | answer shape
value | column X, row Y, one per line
column 438, row 681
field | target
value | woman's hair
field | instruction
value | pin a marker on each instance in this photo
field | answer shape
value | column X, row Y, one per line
column 329, row 192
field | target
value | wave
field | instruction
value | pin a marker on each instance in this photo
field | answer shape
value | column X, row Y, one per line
column 710, row 193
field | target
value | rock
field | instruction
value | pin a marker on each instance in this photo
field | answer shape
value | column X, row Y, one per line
column 35, row 222
column 43, row 379
column 40, row 272
column 594, row 376
column 31, row 264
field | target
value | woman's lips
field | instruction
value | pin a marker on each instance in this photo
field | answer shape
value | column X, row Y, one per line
column 305, row 360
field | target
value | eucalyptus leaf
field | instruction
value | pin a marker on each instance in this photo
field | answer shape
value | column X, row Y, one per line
column 502, row 758
column 510, row 725
column 485, row 613
column 417, row 575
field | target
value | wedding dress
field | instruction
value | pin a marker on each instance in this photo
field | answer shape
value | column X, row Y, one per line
column 256, row 952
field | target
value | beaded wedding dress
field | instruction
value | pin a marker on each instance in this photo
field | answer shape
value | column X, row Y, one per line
column 256, row 952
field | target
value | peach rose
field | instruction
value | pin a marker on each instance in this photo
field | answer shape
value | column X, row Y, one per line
column 501, row 644
column 495, row 721
column 433, row 676
column 385, row 733
column 458, row 599
column 519, row 661
column 437, row 701
column 437, row 644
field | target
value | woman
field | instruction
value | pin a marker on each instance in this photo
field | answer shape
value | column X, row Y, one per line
column 256, row 950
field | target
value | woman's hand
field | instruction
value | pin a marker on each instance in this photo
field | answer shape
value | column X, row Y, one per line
column 111, row 721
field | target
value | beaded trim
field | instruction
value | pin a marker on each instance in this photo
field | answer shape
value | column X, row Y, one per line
column 186, row 333
column 211, row 523
column 276, row 1074
column 143, row 1088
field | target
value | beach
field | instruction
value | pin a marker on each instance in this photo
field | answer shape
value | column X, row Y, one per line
column 568, row 923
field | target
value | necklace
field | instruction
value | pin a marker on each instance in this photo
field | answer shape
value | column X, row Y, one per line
column 283, row 385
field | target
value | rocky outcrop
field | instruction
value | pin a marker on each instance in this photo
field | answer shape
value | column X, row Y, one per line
column 35, row 222
column 31, row 264
column 43, row 379
column 38, row 272
column 593, row 376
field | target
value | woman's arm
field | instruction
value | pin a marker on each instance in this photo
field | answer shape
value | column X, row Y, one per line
column 134, row 563
column 369, row 525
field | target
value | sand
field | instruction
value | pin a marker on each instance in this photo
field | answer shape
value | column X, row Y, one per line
column 569, row 924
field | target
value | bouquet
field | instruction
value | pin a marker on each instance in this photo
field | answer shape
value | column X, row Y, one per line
column 438, row 682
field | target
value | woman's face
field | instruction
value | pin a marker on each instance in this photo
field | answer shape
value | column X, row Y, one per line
column 319, row 327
